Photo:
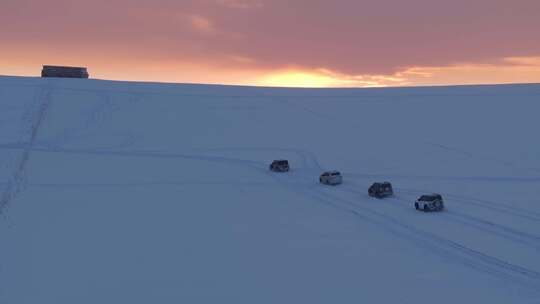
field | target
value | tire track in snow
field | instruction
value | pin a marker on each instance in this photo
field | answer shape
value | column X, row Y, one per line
column 438, row 245
column 307, row 158
column 454, row 250
column 129, row 153
column 493, row 206
column 499, row 230
column 494, row 228
column 480, row 157
column 38, row 109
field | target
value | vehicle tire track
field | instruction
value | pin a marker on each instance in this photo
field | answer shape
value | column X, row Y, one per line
column 495, row 229
column 499, row 230
column 438, row 245
column 443, row 248
column 38, row 110
column 468, row 256
column 493, row 206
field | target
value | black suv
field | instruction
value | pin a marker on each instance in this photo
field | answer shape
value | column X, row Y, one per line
column 279, row 166
column 429, row 202
column 380, row 190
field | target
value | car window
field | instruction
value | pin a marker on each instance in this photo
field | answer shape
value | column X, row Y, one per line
column 335, row 173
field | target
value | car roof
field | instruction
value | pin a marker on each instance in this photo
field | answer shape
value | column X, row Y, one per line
column 430, row 196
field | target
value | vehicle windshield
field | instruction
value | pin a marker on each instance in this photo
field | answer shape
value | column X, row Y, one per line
column 427, row 198
column 334, row 173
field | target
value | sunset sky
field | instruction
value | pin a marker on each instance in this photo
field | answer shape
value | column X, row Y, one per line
column 310, row 43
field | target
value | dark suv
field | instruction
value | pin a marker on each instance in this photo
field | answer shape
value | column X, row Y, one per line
column 380, row 190
column 279, row 166
column 429, row 202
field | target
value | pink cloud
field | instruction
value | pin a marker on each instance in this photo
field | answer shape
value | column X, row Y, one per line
column 350, row 37
column 242, row 4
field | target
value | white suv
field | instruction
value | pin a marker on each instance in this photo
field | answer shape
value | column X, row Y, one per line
column 331, row 178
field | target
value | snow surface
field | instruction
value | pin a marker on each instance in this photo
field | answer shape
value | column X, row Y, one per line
column 117, row 192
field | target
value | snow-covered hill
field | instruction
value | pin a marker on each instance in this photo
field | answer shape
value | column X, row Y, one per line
column 133, row 193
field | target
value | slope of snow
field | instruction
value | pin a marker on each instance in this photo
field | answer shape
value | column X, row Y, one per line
column 118, row 192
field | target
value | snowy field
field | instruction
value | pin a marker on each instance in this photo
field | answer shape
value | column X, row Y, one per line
column 115, row 192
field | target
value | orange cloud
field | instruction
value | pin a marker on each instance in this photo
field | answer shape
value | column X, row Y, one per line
column 201, row 24
column 238, row 69
column 508, row 70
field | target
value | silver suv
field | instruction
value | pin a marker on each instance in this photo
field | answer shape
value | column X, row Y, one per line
column 331, row 178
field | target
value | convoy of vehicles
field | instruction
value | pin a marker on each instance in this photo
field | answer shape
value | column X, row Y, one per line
column 426, row 202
